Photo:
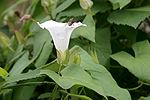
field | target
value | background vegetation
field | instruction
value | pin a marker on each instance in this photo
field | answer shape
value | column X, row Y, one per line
column 110, row 58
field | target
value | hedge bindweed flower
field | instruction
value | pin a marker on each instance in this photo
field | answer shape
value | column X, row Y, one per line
column 61, row 33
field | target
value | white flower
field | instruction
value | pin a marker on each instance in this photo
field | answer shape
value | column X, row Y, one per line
column 60, row 32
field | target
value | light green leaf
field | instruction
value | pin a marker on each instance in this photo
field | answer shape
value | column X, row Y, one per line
column 103, row 78
column 41, row 40
column 87, row 32
column 3, row 73
column 144, row 98
column 20, row 65
column 44, row 55
column 131, row 17
column 70, row 77
column 119, row 3
column 82, row 97
column 138, row 65
column 90, row 75
column 24, row 76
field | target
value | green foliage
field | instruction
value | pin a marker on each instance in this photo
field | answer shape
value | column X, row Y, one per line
column 119, row 3
column 145, row 98
column 138, row 65
column 92, row 67
column 131, row 17
column 3, row 73
column 86, row 32
column 91, row 75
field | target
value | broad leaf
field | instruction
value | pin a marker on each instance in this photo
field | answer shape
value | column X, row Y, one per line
column 42, row 39
column 70, row 77
column 131, row 17
column 119, row 3
column 87, row 32
column 138, row 65
column 90, row 75
column 103, row 78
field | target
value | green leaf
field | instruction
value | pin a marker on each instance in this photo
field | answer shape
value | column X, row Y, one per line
column 45, row 95
column 5, row 41
column 101, row 6
column 42, row 40
column 82, row 97
column 7, row 94
column 76, row 11
column 119, row 3
column 23, row 93
column 44, row 55
column 138, row 65
column 145, row 98
column 19, row 37
column 103, row 78
column 20, row 65
column 3, row 73
column 88, row 31
column 48, row 95
column 54, row 66
column 73, row 11
column 18, row 53
column 70, row 77
column 90, row 75
column 24, row 76
column 62, row 7
column 131, row 17
column 103, row 46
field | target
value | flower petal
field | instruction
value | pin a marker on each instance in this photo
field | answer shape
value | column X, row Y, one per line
column 60, row 32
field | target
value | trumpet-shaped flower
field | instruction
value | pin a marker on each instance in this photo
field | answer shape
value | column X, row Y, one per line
column 60, row 32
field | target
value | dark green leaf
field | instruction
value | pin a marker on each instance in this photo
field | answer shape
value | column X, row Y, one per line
column 103, row 45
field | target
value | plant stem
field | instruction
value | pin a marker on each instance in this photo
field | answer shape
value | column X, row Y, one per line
column 56, row 86
column 54, row 92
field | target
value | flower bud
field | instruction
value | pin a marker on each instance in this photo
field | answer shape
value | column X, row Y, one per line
column 86, row 4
